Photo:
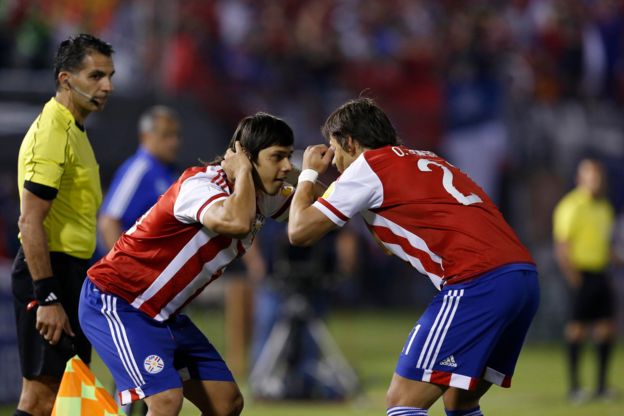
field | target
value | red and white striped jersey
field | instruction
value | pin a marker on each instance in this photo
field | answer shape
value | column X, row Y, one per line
column 167, row 258
column 426, row 211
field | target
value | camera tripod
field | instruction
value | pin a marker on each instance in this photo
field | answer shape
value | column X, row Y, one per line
column 284, row 370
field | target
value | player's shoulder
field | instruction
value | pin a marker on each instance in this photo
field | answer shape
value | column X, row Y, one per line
column 394, row 154
column 133, row 174
column 134, row 161
column 209, row 173
column 569, row 205
column 50, row 128
column 194, row 171
column 394, row 160
column 56, row 118
column 572, row 199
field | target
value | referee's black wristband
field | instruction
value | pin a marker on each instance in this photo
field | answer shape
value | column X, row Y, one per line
column 47, row 291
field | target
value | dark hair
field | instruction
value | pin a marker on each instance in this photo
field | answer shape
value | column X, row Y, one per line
column 260, row 131
column 364, row 121
column 72, row 51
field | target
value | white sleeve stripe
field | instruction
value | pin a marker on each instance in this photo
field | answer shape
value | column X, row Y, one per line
column 127, row 187
column 329, row 214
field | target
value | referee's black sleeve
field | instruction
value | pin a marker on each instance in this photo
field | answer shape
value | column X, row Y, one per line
column 42, row 191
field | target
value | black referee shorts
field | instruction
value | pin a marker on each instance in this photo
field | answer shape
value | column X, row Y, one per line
column 37, row 356
column 594, row 299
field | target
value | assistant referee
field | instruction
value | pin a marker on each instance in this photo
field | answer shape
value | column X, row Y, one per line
column 59, row 187
column 582, row 226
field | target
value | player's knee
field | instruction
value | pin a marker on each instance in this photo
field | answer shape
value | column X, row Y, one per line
column 605, row 331
column 395, row 396
column 231, row 407
column 575, row 332
column 392, row 397
column 165, row 403
column 236, row 406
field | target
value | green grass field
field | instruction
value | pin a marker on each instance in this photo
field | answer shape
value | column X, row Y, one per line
column 371, row 340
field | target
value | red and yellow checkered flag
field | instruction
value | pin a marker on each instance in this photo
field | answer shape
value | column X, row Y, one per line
column 81, row 394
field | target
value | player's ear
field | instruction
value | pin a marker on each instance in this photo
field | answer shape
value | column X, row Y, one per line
column 63, row 79
column 350, row 146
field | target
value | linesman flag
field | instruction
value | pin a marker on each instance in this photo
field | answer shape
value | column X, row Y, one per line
column 81, row 394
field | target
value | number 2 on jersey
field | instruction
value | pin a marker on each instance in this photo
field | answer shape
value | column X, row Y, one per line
column 447, row 182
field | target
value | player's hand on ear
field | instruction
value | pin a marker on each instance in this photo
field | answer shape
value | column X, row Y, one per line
column 317, row 157
column 236, row 162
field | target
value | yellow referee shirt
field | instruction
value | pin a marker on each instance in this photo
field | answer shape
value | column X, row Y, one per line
column 56, row 152
column 586, row 225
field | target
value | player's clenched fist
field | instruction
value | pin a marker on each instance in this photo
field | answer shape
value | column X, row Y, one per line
column 317, row 157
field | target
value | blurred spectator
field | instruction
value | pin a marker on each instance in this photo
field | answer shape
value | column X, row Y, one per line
column 583, row 226
column 142, row 178
column 476, row 137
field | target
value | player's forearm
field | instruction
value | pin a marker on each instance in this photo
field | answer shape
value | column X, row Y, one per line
column 239, row 209
column 242, row 203
column 110, row 230
column 319, row 187
column 36, row 251
column 300, row 230
column 571, row 273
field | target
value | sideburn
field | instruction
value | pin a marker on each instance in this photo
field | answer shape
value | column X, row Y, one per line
column 256, row 178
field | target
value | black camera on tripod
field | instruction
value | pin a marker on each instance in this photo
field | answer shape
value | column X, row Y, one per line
column 303, row 270
column 300, row 359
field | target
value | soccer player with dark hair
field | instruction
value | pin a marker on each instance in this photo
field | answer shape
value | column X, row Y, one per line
column 59, row 188
column 140, row 180
column 431, row 215
column 130, row 304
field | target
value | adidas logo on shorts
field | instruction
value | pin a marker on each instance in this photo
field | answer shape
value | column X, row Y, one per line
column 449, row 361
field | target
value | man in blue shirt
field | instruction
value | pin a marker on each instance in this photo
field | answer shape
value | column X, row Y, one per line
column 143, row 177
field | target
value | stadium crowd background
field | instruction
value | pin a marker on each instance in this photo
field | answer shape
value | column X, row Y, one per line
column 513, row 92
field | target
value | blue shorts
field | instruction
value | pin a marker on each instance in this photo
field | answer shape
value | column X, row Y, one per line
column 145, row 356
column 473, row 331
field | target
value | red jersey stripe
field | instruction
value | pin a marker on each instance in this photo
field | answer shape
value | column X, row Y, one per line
column 333, row 209
column 212, row 198
column 283, row 207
